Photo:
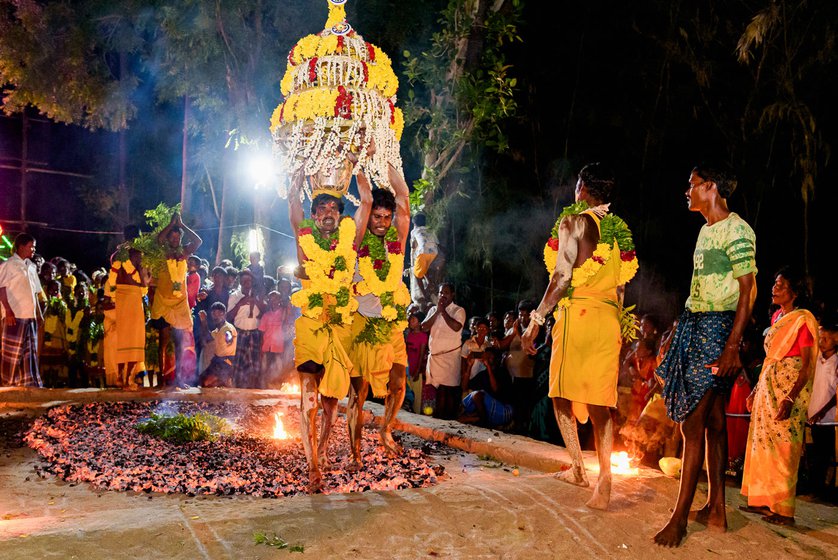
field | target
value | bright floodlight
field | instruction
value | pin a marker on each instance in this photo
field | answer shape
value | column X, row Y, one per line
column 262, row 170
column 255, row 241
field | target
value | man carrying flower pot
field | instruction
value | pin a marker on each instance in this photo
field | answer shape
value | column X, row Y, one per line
column 326, row 253
column 378, row 348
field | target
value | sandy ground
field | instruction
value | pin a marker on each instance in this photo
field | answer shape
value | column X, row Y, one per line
column 480, row 509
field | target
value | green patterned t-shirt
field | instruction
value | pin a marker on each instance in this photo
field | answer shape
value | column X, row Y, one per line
column 724, row 252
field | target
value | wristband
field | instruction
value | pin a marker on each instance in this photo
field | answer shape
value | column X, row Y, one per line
column 537, row 318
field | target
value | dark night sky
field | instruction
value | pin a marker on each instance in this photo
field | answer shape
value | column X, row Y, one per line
column 595, row 86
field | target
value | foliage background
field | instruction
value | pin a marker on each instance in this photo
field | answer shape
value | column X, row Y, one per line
column 651, row 88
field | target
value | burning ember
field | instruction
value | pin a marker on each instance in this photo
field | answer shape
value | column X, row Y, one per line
column 279, row 428
column 621, row 463
column 98, row 443
column 290, row 388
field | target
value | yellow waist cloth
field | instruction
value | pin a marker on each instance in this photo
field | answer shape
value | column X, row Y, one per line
column 586, row 343
column 174, row 309
column 325, row 345
column 130, row 324
column 373, row 362
column 422, row 264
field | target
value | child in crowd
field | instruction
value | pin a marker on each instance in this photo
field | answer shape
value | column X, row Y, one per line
column 272, row 326
column 219, row 373
column 416, row 342
column 193, row 280
column 54, row 353
column 76, row 319
column 822, row 412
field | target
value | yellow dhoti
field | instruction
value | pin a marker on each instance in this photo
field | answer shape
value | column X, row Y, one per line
column 169, row 305
column 130, row 324
column 422, row 264
column 373, row 362
column 325, row 345
column 585, row 362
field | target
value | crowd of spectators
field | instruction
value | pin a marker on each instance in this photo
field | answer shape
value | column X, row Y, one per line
column 473, row 370
column 242, row 327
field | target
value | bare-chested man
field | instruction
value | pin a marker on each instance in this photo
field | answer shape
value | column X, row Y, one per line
column 378, row 352
column 325, row 249
column 586, row 337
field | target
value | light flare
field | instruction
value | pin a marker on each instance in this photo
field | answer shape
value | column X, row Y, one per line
column 621, row 464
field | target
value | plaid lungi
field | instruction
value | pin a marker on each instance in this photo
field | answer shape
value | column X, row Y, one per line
column 19, row 363
column 248, row 361
column 698, row 341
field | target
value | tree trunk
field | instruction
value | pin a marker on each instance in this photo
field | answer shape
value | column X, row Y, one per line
column 183, row 154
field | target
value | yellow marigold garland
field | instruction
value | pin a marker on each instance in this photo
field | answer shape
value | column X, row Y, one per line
column 384, row 280
column 326, row 294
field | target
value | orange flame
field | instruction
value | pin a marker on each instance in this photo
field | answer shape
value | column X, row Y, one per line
column 290, row 388
column 279, row 428
column 621, row 463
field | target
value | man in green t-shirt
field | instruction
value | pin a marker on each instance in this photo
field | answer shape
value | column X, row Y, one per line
column 703, row 359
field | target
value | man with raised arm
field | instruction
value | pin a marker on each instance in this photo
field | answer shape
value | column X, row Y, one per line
column 378, row 348
column 170, row 311
column 326, row 252
column 703, row 359
column 594, row 258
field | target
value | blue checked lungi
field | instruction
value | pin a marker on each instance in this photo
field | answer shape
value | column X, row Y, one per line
column 497, row 413
column 19, row 362
column 698, row 340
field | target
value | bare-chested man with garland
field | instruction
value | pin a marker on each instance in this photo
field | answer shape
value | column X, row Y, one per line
column 325, row 249
column 378, row 350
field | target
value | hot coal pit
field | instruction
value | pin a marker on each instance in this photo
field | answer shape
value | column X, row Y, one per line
column 99, row 444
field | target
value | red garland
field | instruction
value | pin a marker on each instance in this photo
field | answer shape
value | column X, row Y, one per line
column 377, row 264
column 340, row 44
column 312, row 69
column 364, row 251
column 366, row 71
column 627, row 256
column 598, row 260
column 392, row 111
column 305, row 231
column 343, row 105
column 333, row 244
column 394, row 247
column 282, row 111
column 291, row 56
column 370, row 52
column 553, row 243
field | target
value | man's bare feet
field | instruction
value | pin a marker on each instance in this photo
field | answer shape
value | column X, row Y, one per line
column 315, row 481
column 672, row 534
column 573, row 475
column 390, row 446
column 354, row 465
column 602, row 494
column 324, row 463
column 715, row 519
column 777, row 519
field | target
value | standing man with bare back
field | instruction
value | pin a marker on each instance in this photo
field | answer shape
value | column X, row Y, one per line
column 703, row 359
column 594, row 256
column 379, row 354
column 326, row 252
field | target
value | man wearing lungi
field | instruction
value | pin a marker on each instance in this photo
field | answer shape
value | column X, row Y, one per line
column 703, row 359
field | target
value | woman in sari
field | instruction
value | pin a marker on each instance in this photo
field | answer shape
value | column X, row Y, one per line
column 779, row 404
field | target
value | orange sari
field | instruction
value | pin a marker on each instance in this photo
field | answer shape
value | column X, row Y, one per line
column 774, row 447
